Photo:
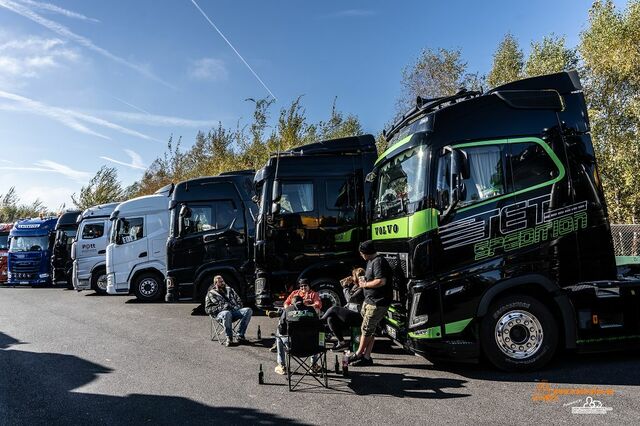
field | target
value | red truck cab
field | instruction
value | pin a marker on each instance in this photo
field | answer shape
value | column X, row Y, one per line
column 4, row 248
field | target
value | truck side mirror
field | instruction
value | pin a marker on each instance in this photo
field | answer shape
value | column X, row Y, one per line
column 185, row 212
column 275, row 208
column 459, row 172
column 276, row 192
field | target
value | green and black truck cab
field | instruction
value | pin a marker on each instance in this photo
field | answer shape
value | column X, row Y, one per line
column 490, row 209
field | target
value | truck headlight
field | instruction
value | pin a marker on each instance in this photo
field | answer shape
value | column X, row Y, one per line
column 44, row 275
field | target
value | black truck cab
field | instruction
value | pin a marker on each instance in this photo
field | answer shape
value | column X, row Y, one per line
column 61, row 261
column 313, row 211
column 211, row 233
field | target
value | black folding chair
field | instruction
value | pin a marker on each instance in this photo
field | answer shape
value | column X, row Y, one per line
column 306, row 341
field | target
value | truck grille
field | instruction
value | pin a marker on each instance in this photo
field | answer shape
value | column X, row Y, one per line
column 399, row 263
column 24, row 270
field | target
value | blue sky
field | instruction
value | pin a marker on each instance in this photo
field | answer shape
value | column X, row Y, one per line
column 87, row 83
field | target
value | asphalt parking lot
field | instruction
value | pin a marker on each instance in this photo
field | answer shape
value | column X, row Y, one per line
column 76, row 358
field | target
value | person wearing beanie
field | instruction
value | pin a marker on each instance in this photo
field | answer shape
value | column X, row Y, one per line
column 377, row 284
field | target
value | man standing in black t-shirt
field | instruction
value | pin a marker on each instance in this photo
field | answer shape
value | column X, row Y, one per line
column 378, row 294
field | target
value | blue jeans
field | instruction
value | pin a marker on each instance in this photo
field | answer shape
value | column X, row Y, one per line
column 228, row 317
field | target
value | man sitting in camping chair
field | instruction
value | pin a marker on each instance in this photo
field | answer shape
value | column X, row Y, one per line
column 224, row 306
column 300, row 337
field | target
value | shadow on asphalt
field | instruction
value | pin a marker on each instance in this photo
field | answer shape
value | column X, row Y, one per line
column 39, row 389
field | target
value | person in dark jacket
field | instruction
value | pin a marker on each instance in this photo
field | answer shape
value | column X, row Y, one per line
column 224, row 304
column 337, row 317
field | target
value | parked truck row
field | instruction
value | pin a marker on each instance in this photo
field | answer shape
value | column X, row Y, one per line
column 488, row 206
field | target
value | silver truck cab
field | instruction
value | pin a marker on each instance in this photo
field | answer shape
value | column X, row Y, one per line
column 89, row 248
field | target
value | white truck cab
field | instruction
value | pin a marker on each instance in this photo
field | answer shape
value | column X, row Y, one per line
column 89, row 248
column 136, row 254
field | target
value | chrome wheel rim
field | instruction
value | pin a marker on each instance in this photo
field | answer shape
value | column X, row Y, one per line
column 101, row 282
column 330, row 296
column 148, row 287
column 519, row 334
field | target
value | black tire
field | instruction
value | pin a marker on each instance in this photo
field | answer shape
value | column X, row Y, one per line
column 149, row 287
column 518, row 334
column 69, row 275
column 99, row 281
column 329, row 291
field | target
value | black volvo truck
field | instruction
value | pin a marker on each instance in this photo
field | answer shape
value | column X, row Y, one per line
column 490, row 209
column 212, row 228
column 61, row 261
column 313, row 211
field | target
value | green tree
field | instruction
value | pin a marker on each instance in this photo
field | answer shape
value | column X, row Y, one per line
column 339, row 125
column 611, row 74
column 103, row 188
column 435, row 73
column 507, row 62
column 550, row 56
column 11, row 209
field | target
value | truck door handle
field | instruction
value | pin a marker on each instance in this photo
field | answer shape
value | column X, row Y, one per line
column 102, row 251
column 143, row 254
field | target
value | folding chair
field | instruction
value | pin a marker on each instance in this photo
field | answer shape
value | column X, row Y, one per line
column 306, row 340
column 217, row 329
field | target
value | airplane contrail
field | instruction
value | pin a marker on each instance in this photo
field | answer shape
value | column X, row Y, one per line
column 234, row 49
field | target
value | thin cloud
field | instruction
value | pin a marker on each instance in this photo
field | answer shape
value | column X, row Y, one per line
column 30, row 57
column 208, row 69
column 136, row 160
column 157, row 120
column 70, row 118
column 49, row 166
column 234, row 49
column 352, row 13
column 131, row 105
column 57, row 9
column 65, row 32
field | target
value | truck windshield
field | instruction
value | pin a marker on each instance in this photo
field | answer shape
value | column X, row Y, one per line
column 29, row 243
column 4, row 242
column 401, row 182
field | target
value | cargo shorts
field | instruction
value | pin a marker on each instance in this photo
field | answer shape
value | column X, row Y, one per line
column 371, row 317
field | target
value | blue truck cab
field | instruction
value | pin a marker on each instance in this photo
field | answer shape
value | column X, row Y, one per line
column 30, row 247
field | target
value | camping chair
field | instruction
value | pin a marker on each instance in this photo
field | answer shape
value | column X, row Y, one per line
column 306, row 341
column 217, row 329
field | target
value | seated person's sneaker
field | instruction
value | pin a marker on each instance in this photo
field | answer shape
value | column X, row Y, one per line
column 228, row 342
column 280, row 369
column 274, row 348
column 340, row 345
column 362, row 362
column 315, row 369
column 241, row 339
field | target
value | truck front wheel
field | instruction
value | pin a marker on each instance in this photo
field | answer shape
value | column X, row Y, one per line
column 99, row 282
column 148, row 287
column 518, row 334
column 329, row 292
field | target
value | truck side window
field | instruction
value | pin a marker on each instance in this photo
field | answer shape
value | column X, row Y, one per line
column 203, row 218
column 530, row 165
column 225, row 213
column 443, row 184
column 297, row 197
column 486, row 179
column 130, row 230
column 340, row 194
column 92, row 230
